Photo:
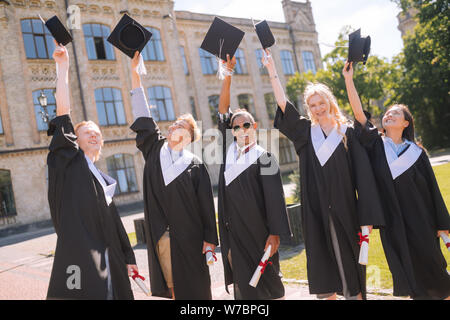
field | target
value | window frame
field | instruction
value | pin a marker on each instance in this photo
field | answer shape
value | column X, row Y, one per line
column 51, row 105
column 287, row 62
column 114, row 101
column 154, row 99
column 114, row 168
column 155, row 44
column 46, row 35
column 107, row 47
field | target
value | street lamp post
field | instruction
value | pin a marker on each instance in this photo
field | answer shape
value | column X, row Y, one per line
column 43, row 102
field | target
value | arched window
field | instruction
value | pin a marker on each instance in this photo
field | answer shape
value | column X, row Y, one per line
column 208, row 62
column 37, row 39
column 271, row 105
column 153, row 51
column 246, row 101
column 161, row 99
column 7, row 203
column 121, row 167
column 287, row 62
column 109, row 107
column 97, row 47
column 38, row 110
column 241, row 67
column 213, row 103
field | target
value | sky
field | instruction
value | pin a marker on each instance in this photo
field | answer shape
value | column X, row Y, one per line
column 377, row 18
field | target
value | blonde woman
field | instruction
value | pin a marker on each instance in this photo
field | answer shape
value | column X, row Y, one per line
column 416, row 214
column 334, row 168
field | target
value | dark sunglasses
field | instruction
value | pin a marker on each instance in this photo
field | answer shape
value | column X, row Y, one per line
column 246, row 126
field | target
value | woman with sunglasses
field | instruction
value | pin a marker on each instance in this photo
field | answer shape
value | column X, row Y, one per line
column 338, row 191
column 252, row 209
column 415, row 212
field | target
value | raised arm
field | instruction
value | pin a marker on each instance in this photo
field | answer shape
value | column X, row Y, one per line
column 61, row 57
column 224, row 101
column 278, row 90
column 353, row 97
column 138, row 101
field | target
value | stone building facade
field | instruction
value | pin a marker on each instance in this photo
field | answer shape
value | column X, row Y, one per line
column 181, row 78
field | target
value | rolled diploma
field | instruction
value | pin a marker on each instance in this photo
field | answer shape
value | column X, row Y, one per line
column 446, row 240
column 255, row 278
column 364, row 250
column 142, row 285
column 209, row 256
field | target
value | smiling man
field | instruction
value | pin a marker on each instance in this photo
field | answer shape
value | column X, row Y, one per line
column 180, row 219
column 93, row 251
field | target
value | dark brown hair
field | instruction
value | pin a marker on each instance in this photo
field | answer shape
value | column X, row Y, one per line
column 408, row 132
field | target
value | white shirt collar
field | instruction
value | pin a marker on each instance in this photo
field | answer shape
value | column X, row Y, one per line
column 108, row 189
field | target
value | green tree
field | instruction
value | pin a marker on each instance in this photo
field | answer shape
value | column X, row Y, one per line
column 374, row 80
column 425, row 67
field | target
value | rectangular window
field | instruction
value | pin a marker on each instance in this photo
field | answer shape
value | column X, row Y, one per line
column 208, row 62
column 183, row 57
column 1, row 125
column 241, row 67
column 109, row 105
column 161, row 98
column 308, row 61
column 287, row 62
column 38, row 41
column 259, row 56
column 40, row 111
column 97, row 47
column 153, row 51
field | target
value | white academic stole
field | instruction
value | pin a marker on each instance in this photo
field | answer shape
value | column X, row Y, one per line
column 233, row 167
column 171, row 170
column 324, row 148
column 397, row 164
column 108, row 183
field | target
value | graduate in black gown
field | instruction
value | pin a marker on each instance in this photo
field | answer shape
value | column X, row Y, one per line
column 179, row 203
column 338, row 191
column 93, row 251
column 415, row 212
column 252, row 209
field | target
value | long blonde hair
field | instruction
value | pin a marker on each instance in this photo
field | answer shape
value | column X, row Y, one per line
column 326, row 94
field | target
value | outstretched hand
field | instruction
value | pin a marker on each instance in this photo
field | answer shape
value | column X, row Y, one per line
column 135, row 61
column 348, row 70
column 267, row 60
column 60, row 55
column 230, row 63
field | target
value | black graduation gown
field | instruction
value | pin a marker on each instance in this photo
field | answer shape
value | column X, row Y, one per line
column 344, row 188
column 251, row 208
column 414, row 212
column 186, row 205
column 85, row 225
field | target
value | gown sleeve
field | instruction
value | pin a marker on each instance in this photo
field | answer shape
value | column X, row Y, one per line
column 272, row 186
column 206, row 202
column 369, row 207
column 224, row 124
column 123, row 237
column 63, row 149
column 293, row 126
column 148, row 135
column 63, row 146
column 440, row 211
column 367, row 134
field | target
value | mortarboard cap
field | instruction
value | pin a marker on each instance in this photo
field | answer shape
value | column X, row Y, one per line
column 129, row 36
column 358, row 48
column 58, row 31
column 264, row 34
column 222, row 39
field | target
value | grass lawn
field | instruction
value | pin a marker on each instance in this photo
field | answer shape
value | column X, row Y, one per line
column 295, row 267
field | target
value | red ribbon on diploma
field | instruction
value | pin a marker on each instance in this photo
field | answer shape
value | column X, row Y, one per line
column 447, row 245
column 263, row 265
column 213, row 254
column 137, row 275
column 362, row 238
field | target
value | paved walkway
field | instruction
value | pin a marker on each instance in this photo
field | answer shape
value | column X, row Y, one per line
column 26, row 262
